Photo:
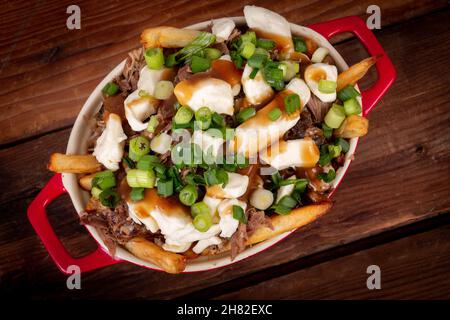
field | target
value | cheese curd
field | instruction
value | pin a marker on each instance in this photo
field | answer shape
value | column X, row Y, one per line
column 228, row 224
column 285, row 190
column 292, row 153
column 210, row 145
column 109, row 147
column 148, row 78
column 222, row 28
column 213, row 93
column 137, row 109
column 316, row 72
column 236, row 187
column 203, row 244
column 256, row 90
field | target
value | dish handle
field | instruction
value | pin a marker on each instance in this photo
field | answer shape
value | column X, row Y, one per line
column 385, row 69
column 38, row 218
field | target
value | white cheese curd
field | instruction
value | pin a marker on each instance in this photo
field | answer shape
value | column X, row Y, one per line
column 148, row 78
column 203, row 244
column 236, row 89
column 227, row 223
column 268, row 21
column 299, row 87
column 176, row 247
column 236, row 187
column 222, row 28
column 161, row 143
column 317, row 71
column 148, row 221
column 109, row 147
column 137, row 109
column 213, row 93
column 210, row 145
column 212, row 203
column 256, row 90
column 292, row 153
column 285, row 190
column 269, row 24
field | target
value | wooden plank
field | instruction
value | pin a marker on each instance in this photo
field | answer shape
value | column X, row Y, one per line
column 399, row 176
column 415, row 267
column 47, row 71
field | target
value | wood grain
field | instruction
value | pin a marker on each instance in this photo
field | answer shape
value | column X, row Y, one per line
column 400, row 176
column 47, row 71
column 415, row 267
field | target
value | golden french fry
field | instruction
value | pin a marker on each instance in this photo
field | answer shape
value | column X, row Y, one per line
column 352, row 127
column 60, row 162
column 283, row 223
column 355, row 72
column 86, row 181
column 167, row 37
column 148, row 251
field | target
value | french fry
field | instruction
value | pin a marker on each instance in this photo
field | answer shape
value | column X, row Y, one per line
column 283, row 223
column 148, row 251
column 60, row 162
column 86, row 181
column 355, row 72
column 167, row 37
column 352, row 127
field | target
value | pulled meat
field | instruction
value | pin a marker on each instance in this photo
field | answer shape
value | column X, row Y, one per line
column 317, row 108
column 298, row 131
column 128, row 80
column 256, row 219
column 184, row 73
column 115, row 226
column 316, row 134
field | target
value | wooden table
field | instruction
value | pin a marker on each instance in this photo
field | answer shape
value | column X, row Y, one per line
column 391, row 210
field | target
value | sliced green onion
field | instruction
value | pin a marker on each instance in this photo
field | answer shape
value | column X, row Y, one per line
column 184, row 115
column 137, row 194
column 300, row 185
column 265, row 44
column 292, row 103
column 204, row 115
column 344, row 144
column 245, row 114
column 172, row 172
column 109, row 198
column 274, row 114
column 247, row 49
column 147, row 162
column 327, row 177
column 215, row 176
column 110, row 89
column 276, row 178
column 163, row 90
column 143, row 93
column 200, row 208
column 249, row 37
column 273, row 75
column 334, row 151
column 199, row 64
column 104, row 180
column 257, row 60
column 325, row 157
column 262, row 51
column 152, row 124
column 327, row 131
column 188, row 195
column 335, row 116
column 285, row 205
column 253, row 74
column 237, row 59
column 127, row 162
column 160, row 170
column 352, row 106
column 154, row 58
column 239, row 214
column 202, row 222
column 141, row 178
column 95, row 192
column 212, row 53
column 218, row 120
column 171, row 60
column 347, row 93
column 291, row 69
column 165, row 187
column 327, row 86
column 319, row 54
column 202, row 41
column 139, row 147
column 299, row 45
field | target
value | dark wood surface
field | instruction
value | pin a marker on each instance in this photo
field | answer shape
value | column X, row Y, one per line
column 390, row 210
